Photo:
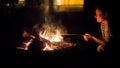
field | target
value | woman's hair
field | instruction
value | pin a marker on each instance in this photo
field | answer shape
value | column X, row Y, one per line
column 104, row 9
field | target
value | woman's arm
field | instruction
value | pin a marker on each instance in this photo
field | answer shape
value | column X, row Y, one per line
column 96, row 39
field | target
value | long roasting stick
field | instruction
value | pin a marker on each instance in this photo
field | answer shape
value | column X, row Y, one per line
column 72, row 34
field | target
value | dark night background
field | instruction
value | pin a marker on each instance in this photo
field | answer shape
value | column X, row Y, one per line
column 13, row 20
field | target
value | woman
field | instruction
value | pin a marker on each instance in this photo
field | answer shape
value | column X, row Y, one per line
column 101, row 17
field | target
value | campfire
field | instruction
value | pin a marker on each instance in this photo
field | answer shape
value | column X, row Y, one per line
column 52, row 37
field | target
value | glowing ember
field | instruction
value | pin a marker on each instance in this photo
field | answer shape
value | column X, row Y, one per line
column 47, row 47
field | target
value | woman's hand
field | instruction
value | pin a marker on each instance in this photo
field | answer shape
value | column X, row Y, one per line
column 87, row 36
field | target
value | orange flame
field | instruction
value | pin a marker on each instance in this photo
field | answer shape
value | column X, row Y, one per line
column 51, row 37
column 47, row 47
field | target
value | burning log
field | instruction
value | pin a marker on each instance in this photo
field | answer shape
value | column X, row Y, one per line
column 56, row 45
column 25, row 44
column 62, row 44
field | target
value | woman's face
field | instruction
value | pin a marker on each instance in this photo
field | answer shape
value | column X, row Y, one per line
column 98, row 15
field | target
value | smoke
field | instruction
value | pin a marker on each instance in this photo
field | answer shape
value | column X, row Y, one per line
column 50, row 25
